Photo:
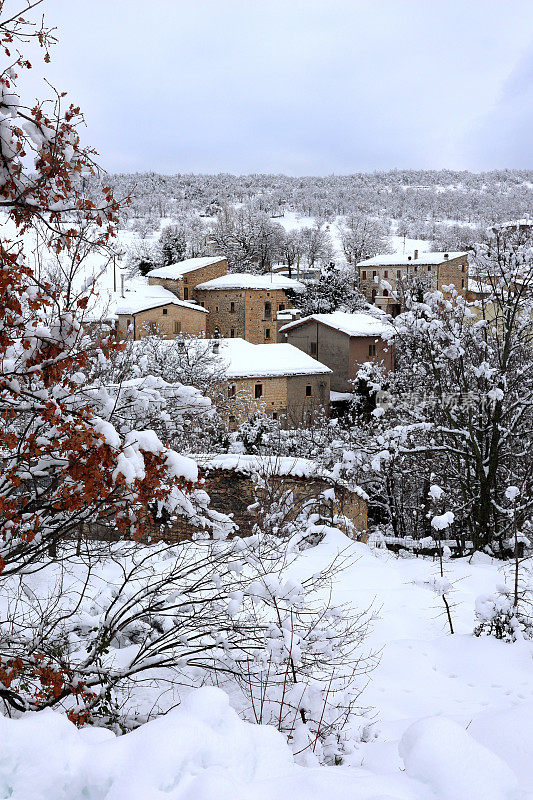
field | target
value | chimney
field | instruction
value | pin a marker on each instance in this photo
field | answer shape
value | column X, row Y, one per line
column 446, row 256
column 408, row 258
column 416, row 254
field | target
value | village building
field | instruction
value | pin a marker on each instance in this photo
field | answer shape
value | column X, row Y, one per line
column 235, row 483
column 181, row 278
column 343, row 342
column 277, row 379
column 246, row 305
column 431, row 271
column 153, row 310
column 522, row 226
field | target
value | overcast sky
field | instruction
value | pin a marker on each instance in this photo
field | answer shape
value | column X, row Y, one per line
column 299, row 86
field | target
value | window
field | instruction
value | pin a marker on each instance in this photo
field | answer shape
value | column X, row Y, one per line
column 462, row 283
column 216, row 307
column 463, row 268
column 281, row 307
column 371, row 349
column 232, row 307
column 275, row 415
column 313, row 348
column 308, row 390
column 202, row 304
column 363, row 274
column 374, row 274
column 268, row 310
column 267, row 333
column 429, row 269
column 232, row 390
column 232, row 333
column 177, row 327
column 374, row 293
column 416, row 269
column 165, row 311
column 398, row 273
column 185, row 292
column 258, row 390
column 386, row 273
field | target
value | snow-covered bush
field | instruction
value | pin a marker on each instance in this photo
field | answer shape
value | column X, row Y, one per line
column 498, row 616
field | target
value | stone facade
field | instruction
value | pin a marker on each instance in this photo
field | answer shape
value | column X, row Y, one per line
column 291, row 398
column 184, row 286
column 430, row 276
column 247, row 313
column 342, row 353
column 233, row 492
column 167, row 321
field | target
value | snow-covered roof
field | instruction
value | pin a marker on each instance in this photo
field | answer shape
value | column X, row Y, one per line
column 397, row 259
column 243, row 359
column 350, row 324
column 176, row 271
column 526, row 222
column 146, row 297
column 340, row 397
column 245, row 280
column 294, row 467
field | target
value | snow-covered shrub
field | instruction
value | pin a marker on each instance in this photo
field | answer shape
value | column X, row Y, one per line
column 252, row 433
column 497, row 616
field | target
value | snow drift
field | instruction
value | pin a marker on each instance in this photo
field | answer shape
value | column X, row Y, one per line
column 203, row 751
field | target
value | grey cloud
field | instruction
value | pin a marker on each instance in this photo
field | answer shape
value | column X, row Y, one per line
column 301, row 87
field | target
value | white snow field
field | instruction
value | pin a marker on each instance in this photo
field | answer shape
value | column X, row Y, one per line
column 453, row 714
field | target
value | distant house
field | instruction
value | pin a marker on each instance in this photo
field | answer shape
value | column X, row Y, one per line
column 155, row 310
column 431, row 271
column 277, row 379
column 181, row 278
column 343, row 342
column 523, row 226
column 246, row 305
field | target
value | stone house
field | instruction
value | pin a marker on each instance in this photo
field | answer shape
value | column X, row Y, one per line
column 235, row 483
column 245, row 305
column 155, row 310
column 277, row 379
column 182, row 278
column 430, row 270
column 343, row 342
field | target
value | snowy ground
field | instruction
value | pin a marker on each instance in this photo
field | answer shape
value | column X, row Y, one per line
column 454, row 715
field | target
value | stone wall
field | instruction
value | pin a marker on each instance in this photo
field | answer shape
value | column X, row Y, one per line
column 341, row 353
column 362, row 350
column 301, row 406
column 248, row 319
column 272, row 402
column 176, row 320
column 453, row 270
column 184, row 288
column 232, row 492
column 284, row 398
